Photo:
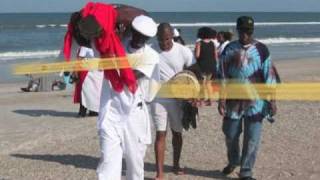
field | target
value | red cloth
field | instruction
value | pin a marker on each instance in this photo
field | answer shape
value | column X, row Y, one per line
column 109, row 44
column 78, row 88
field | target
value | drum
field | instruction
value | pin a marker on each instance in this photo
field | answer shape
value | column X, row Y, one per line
column 184, row 85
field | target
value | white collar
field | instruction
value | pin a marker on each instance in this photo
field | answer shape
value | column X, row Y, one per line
column 131, row 50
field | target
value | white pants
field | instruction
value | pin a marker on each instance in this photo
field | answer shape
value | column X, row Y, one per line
column 91, row 90
column 167, row 112
column 124, row 138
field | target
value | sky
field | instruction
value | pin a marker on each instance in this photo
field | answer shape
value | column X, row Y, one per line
column 167, row 5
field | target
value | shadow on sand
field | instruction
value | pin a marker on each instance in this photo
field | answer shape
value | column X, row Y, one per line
column 89, row 162
column 45, row 112
column 216, row 174
column 77, row 160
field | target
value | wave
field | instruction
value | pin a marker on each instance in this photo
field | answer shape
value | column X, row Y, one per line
column 282, row 40
column 28, row 55
column 23, row 26
column 50, row 25
column 14, row 55
column 41, row 26
column 178, row 24
column 200, row 24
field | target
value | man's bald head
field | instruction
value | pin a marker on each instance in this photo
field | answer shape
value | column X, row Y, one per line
column 164, row 27
column 165, row 36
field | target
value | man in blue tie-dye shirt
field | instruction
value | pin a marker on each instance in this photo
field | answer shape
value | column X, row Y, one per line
column 245, row 61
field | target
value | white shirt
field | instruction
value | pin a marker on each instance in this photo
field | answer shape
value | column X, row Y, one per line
column 148, row 64
column 115, row 105
column 215, row 42
column 174, row 60
column 86, row 52
column 222, row 46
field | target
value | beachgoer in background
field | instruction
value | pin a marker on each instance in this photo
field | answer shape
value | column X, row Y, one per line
column 88, row 83
column 220, row 37
column 33, row 84
column 213, row 37
column 221, row 40
column 200, row 33
column 58, row 85
column 44, row 83
column 245, row 61
column 66, row 78
column 208, row 30
column 177, row 36
column 174, row 57
column 224, row 38
column 206, row 55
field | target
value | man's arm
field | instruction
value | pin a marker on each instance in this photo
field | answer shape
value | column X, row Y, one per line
column 270, row 77
column 222, row 66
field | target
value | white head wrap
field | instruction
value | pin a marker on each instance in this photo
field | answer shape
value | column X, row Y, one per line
column 176, row 33
column 145, row 25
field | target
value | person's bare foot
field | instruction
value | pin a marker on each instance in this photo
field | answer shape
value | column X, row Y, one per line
column 178, row 171
column 25, row 90
column 158, row 178
column 208, row 102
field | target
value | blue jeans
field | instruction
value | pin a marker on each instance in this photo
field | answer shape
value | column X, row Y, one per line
column 232, row 129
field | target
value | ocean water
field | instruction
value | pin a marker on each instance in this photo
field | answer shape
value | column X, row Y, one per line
column 39, row 36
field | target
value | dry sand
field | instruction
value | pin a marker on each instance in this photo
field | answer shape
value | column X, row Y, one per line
column 40, row 137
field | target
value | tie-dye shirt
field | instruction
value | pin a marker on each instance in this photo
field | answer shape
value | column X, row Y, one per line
column 247, row 64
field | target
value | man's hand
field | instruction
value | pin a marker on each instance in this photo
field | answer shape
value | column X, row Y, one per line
column 138, row 74
column 195, row 102
column 222, row 107
column 273, row 108
column 74, row 78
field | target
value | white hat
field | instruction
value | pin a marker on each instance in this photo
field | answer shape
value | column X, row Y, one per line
column 176, row 33
column 145, row 25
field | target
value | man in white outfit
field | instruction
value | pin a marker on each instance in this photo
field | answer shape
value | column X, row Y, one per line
column 124, row 121
column 91, row 87
column 174, row 57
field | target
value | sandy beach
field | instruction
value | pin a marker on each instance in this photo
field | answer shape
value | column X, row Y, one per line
column 41, row 137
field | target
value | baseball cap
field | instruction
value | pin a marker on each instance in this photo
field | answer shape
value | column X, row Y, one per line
column 245, row 23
